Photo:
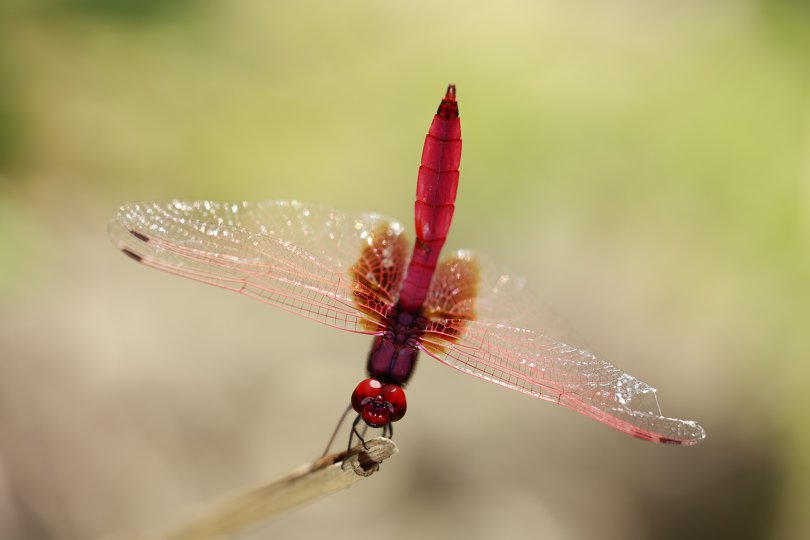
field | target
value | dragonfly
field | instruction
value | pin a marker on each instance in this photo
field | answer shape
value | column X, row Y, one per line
column 358, row 273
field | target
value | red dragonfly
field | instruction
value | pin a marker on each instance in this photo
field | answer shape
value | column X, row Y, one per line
column 354, row 272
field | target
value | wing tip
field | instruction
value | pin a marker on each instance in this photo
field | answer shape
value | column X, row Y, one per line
column 692, row 434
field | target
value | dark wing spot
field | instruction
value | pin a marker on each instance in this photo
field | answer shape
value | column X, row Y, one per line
column 665, row 440
column 642, row 435
column 139, row 236
column 132, row 254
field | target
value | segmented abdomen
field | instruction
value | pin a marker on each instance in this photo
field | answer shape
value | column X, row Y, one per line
column 435, row 198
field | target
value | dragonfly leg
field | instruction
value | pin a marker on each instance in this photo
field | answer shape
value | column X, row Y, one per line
column 357, row 433
column 337, row 427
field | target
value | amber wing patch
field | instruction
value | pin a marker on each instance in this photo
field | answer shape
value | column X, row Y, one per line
column 379, row 271
column 451, row 300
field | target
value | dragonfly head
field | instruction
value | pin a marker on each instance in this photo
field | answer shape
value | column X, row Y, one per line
column 379, row 403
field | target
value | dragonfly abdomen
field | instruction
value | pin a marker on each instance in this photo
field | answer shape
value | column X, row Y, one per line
column 435, row 200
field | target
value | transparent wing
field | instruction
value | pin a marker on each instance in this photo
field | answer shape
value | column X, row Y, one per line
column 504, row 343
column 340, row 270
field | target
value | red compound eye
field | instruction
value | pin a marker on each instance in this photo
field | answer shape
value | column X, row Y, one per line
column 379, row 404
column 367, row 389
column 395, row 396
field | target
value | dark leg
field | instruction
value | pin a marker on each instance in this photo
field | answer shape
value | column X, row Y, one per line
column 357, row 433
column 337, row 427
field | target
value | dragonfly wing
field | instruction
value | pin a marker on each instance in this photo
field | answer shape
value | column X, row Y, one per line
column 503, row 344
column 302, row 258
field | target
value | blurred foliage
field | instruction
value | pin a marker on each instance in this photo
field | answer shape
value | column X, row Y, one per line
column 8, row 128
column 120, row 10
column 10, row 124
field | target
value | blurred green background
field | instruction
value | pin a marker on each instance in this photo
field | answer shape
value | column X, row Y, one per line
column 646, row 165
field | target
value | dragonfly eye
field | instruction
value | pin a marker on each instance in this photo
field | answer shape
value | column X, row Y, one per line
column 379, row 404
column 366, row 390
column 395, row 396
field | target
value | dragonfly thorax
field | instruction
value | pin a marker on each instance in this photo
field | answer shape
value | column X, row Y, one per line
column 393, row 353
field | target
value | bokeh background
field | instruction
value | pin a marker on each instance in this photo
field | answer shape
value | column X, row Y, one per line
column 646, row 165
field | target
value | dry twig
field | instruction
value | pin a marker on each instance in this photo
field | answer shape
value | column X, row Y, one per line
column 324, row 476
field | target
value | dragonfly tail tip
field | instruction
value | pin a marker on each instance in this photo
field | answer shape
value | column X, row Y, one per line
column 448, row 109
